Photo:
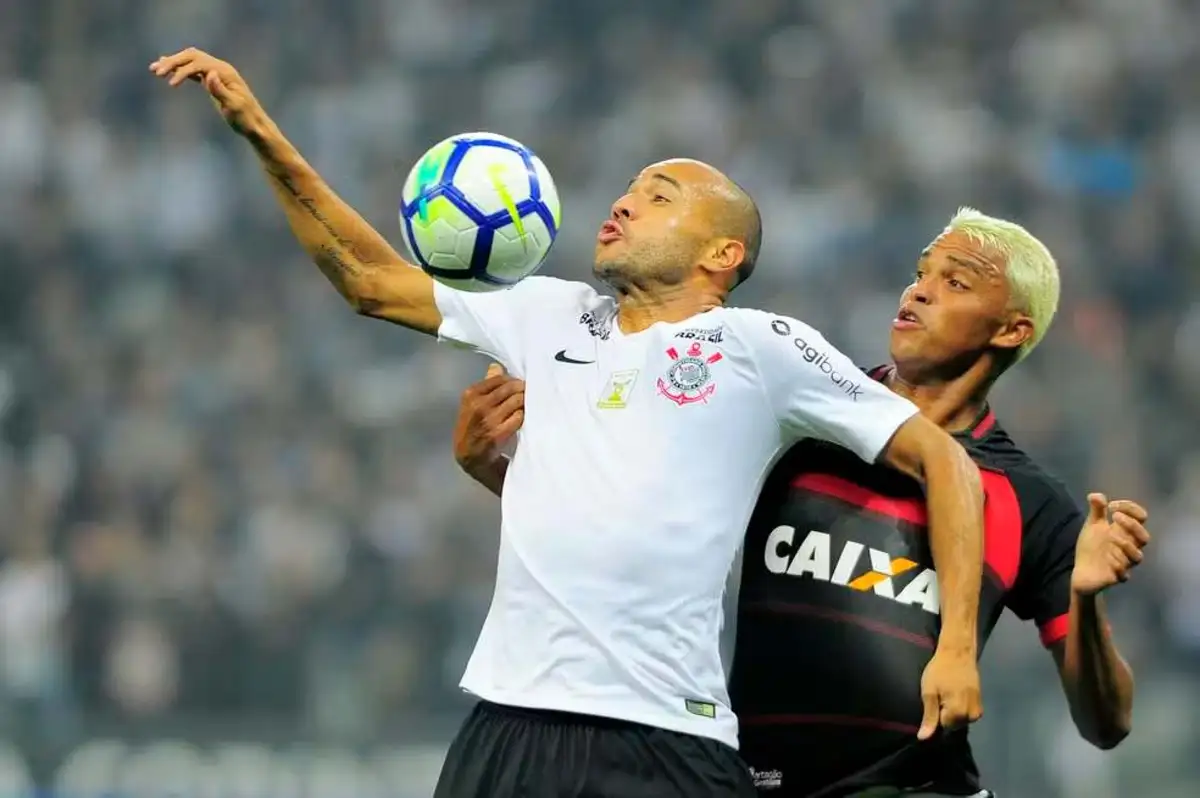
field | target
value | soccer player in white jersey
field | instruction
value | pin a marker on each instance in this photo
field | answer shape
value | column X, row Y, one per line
column 651, row 419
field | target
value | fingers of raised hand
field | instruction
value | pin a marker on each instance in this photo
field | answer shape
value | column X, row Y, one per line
column 1120, row 563
column 1126, row 540
column 1130, row 508
column 1128, row 546
column 189, row 64
column 1130, row 526
column 167, row 64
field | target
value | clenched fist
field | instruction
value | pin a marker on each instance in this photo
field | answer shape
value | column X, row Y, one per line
column 229, row 91
column 1110, row 544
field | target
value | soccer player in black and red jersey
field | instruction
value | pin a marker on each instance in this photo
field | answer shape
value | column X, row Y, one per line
column 838, row 609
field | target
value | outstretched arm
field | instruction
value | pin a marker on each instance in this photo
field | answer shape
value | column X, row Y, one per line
column 954, row 494
column 490, row 413
column 360, row 263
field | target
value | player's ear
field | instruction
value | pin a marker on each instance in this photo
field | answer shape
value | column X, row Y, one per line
column 1013, row 333
column 723, row 256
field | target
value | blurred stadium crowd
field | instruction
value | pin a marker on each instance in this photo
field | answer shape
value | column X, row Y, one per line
column 225, row 497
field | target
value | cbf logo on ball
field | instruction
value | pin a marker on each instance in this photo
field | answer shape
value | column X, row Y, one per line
column 689, row 379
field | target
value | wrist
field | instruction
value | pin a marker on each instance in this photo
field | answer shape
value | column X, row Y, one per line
column 1084, row 591
column 1087, row 601
column 958, row 640
column 263, row 134
column 479, row 463
column 957, row 646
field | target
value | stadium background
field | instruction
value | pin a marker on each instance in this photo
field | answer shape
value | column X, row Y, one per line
column 235, row 554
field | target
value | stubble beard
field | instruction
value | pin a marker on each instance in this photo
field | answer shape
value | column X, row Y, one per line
column 643, row 271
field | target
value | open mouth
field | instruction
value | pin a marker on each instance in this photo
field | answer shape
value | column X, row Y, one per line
column 906, row 320
column 609, row 231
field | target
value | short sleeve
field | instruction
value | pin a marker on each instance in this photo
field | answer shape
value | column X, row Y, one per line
column 818, row 392
column 497, row 323
column 1042, row 592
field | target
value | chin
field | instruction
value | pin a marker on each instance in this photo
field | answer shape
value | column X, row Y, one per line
column 900, row 346
column 607, row 266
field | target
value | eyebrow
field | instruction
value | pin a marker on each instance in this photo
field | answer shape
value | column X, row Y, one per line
column 978, row 268
column 984, row 270
column 659, row 176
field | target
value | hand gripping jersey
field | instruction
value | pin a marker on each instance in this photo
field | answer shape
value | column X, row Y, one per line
column 839, row 613
column 627, row 499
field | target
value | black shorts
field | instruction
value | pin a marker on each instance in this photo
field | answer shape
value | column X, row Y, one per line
column 508, row 752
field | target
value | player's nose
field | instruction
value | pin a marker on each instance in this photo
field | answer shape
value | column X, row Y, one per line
column 622, row 209
column 920, row 293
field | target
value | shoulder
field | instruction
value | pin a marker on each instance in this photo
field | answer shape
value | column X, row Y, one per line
column 761, row 330
column 1047, row 505
column 539, row 285
column 754, row 322
column 539, row 293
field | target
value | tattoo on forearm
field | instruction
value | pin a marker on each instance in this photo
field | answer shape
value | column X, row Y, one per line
column 332, row 262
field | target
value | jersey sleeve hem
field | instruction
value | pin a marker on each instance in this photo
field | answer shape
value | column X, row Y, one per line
column 452, row 308
column 1054, row 629
column 887, row 421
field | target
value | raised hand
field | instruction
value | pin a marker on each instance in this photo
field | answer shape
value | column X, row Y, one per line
column 229, row 91
column 1110, row 544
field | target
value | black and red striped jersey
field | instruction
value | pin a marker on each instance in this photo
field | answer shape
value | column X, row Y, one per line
column 838, row 613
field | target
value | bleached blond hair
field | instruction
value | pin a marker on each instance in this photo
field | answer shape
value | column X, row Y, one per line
column 1031, row 271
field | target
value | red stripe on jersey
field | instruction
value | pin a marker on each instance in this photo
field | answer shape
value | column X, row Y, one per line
column 1054, row 629
column 1001, row 515
column 911, row 510
column 1002, row 527
column 828, row 720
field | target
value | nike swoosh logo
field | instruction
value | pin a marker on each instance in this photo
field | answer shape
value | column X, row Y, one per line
column 561, row 357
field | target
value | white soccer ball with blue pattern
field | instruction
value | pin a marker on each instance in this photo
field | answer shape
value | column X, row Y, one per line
column 479, row 212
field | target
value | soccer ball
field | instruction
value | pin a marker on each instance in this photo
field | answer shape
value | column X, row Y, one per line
column 479, row 212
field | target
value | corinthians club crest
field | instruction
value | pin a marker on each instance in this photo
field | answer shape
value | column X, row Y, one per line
column 689, row 379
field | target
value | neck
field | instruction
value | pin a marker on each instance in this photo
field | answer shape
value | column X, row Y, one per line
column 951, row 402
column 639, row 307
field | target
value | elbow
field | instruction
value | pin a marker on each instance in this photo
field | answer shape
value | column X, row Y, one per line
column 360, row 296
column 363, row 296
column 1108, row 730
column 364, row 306
column 1110, row 737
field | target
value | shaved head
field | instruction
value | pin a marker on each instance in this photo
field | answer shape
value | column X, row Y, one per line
column 679, row 216
column 731, row 210
column 742, row 221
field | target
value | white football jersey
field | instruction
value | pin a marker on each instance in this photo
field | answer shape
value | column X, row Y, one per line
column 638, row 465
